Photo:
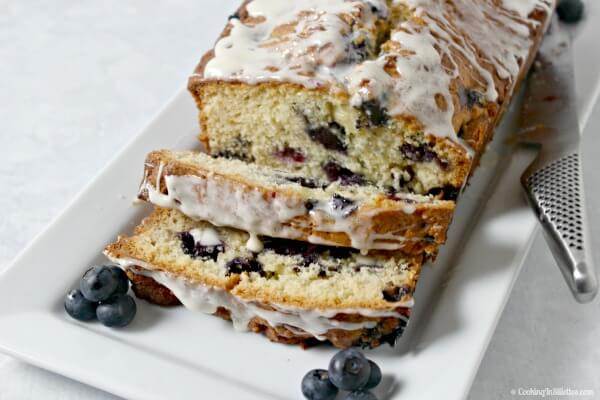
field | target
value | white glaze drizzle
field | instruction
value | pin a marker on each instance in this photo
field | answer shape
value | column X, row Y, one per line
column 223, row 203
column 207, row 299
column 254, row 243
column 315, row 51
column 381, row 241
column 359, row 230
column 206, row 236
column 524, row 8
column 309, row 56
column 369, row 81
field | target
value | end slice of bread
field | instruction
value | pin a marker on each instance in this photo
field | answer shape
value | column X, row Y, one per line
column 271, row 202
column 293, row 291
column 411, row 105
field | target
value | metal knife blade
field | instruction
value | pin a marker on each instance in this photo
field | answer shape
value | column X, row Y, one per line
column 554, row 181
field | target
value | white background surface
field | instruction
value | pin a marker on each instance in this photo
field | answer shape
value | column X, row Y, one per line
column 79, row 78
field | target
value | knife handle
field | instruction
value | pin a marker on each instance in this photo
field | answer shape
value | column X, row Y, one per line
column 554, row 188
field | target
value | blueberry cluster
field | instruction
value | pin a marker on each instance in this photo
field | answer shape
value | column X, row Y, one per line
column 348, row 370
column 102, row 295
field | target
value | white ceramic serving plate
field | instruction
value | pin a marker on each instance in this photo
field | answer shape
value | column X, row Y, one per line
column 176, row 354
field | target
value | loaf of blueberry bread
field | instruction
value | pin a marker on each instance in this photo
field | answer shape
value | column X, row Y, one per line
column 292, row 291
column 400, row 94
column 265, row 201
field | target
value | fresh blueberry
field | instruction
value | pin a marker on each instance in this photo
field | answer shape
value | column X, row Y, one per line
column 79, row 307
column 570, row 11
column 360, row 395
column 316, row 385
column 374, row 377
column 349, row 370
column 98, row 283
column 122, row 280
column 117, row 311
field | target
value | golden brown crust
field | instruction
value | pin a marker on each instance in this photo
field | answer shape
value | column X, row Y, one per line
column 478, row 130
column 423, row 230
column 386, row 330
column 148, row 289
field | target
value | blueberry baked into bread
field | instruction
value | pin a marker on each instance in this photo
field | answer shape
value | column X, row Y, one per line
column 342, row 132
column 401, row 94
column 266, row 201
column 292, row 291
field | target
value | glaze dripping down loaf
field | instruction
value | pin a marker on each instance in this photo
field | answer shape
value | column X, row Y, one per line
column 276, row 203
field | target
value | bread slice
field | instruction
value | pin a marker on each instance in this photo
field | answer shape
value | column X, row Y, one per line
column 276, row 203
column 293, row 291
column 403, row 95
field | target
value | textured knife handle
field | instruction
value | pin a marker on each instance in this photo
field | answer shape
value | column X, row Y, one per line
column 555, row 191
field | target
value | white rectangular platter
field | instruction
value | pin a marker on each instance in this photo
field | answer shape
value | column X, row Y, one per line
column 174, row 353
